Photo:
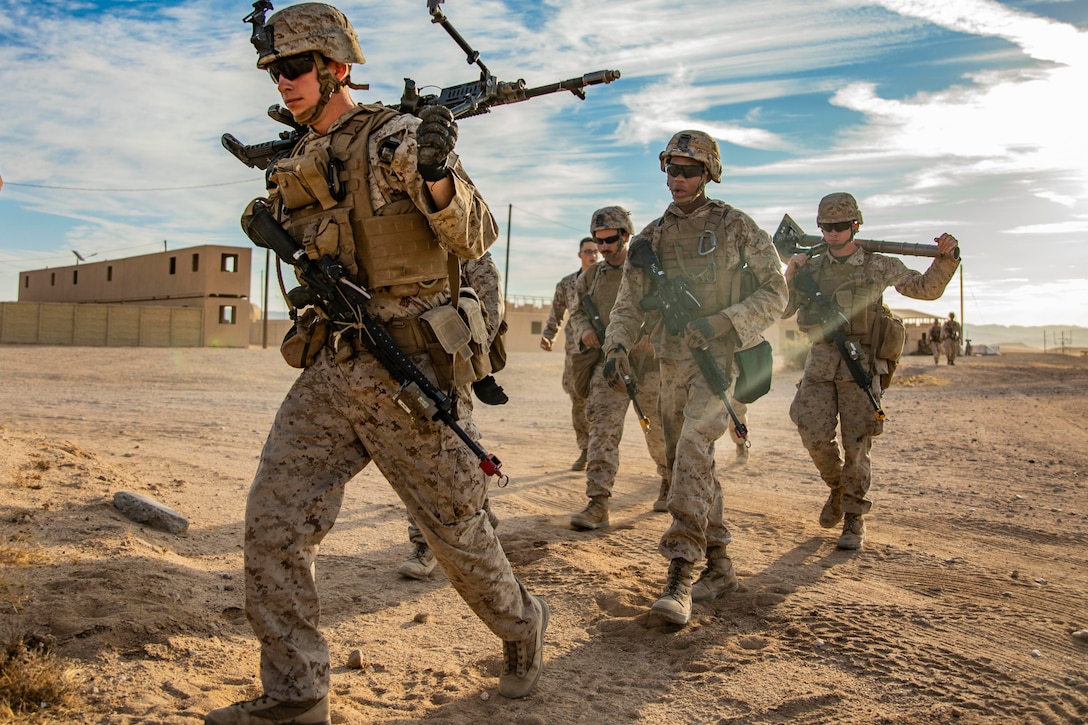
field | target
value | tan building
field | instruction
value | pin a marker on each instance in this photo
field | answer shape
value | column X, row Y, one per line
column 210, row 278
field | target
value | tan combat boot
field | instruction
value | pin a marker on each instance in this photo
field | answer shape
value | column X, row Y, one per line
column 580, row 464
column 594, row 516
column 831, row 513
column 675, row 603
column 522, row 662
column 717, row 578
column 742, row 455
column 266, row 711
column 662, row 502
column 853, row 533
column 419, row 564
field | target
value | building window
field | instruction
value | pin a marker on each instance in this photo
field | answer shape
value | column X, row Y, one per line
column 26, row 282
column 52, row 279
column 536, row 327
column 196, row 262
column 75, row 276
column 109, row 273
column 229, row 263
column 227, row 314
column 173, row 265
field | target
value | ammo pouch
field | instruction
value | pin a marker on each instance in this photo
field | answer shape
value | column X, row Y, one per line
column 472, row 312
column 447, row 342
column 304, row 341
column 582, row 365
column 754, row 367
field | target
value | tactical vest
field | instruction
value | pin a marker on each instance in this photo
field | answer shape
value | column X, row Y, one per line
column 603, row 287
column 851, row 288
column 325, row 200
column 689, row 248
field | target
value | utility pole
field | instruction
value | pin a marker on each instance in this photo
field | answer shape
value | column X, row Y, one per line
column 264, row 311
column 506, row 282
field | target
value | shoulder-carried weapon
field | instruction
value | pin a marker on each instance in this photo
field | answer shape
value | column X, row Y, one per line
column 344, row 302
column 464, row 100
column 676, row 303
column 789, row 240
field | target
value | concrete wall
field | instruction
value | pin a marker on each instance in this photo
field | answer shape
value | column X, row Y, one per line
column 62, row 323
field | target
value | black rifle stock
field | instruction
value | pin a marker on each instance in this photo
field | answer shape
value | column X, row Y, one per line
column 833, row 327
column 464, row 100
column 676, row 302
column 344, row 302
column 628, row 382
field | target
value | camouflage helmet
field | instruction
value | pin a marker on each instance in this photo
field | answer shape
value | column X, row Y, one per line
column 838, row 207
column 310, row 28
column 611, row 217
column 697, row 145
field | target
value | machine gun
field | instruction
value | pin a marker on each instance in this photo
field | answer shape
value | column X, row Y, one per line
column 345, row 304
column 675, row 302
column 790, row 240
column 464, row 100
column 833, row 324
column 628, row 382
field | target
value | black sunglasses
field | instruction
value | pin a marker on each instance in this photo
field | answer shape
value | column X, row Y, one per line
column 837, row 226
column 688, row 171
column 291, row 68
column 609, row 240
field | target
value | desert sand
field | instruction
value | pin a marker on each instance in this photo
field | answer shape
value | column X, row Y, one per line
column 961, row 608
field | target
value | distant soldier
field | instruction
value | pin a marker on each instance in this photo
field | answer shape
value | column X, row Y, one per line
column 935, row 340
column 563, row 303
column 950, row 333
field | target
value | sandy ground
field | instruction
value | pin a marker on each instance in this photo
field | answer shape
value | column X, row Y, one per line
column 960, row 609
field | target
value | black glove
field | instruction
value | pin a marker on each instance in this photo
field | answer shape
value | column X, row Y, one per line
column 436, row 136
column 617, row 366
column 489, row 391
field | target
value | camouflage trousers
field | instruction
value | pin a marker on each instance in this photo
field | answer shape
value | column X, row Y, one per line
column 951, row 347
column 693, row 419
column 577, row 407
column 828, row 398
column 606, row 410
column 334, row 421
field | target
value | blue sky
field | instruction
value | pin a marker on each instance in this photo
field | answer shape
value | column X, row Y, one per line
column 938, row 115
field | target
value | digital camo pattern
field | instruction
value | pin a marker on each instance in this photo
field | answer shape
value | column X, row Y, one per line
column 338, row 418
column 694, row 418
column 335, row 420
column 563, row 301
column 827, row 396
column 606, row 410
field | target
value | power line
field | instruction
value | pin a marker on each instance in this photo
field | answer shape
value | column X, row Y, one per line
column 159, row 188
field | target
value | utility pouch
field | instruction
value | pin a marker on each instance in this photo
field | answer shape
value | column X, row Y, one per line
column 497, row 350
column 448, row 345
column 303, row 180
column 582, row 365
column 304, row 341
column 891, row 337
column 754, row 368
column 469, row 306
column 401, row 251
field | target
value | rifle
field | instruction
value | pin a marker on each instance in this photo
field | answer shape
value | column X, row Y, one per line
column 628, row 382
column 675, row 302
column 345, row 304
column 789, row 240
column 833, row 324
column 464, row 100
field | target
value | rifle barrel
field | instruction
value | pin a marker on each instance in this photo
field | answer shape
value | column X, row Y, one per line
column 573, row 84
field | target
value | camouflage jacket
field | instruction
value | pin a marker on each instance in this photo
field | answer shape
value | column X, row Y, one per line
column 563, row 303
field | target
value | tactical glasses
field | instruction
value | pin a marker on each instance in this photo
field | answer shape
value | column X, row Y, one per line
column 291, row 68
column 609, row 240
column 837, row 226
column 688, row 171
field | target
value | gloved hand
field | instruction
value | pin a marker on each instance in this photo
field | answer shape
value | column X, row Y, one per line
column 490, row 392
column 436, row 136
column 701, row 331
column 617, row 366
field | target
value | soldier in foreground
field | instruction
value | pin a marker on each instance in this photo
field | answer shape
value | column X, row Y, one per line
column 340, row 414
column 850, row 282
column 696, row 246
column 563, row 304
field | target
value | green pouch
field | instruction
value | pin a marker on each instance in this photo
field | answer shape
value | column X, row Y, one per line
column 754, row 367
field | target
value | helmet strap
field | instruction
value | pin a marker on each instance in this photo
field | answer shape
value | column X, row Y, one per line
column 328, row 84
